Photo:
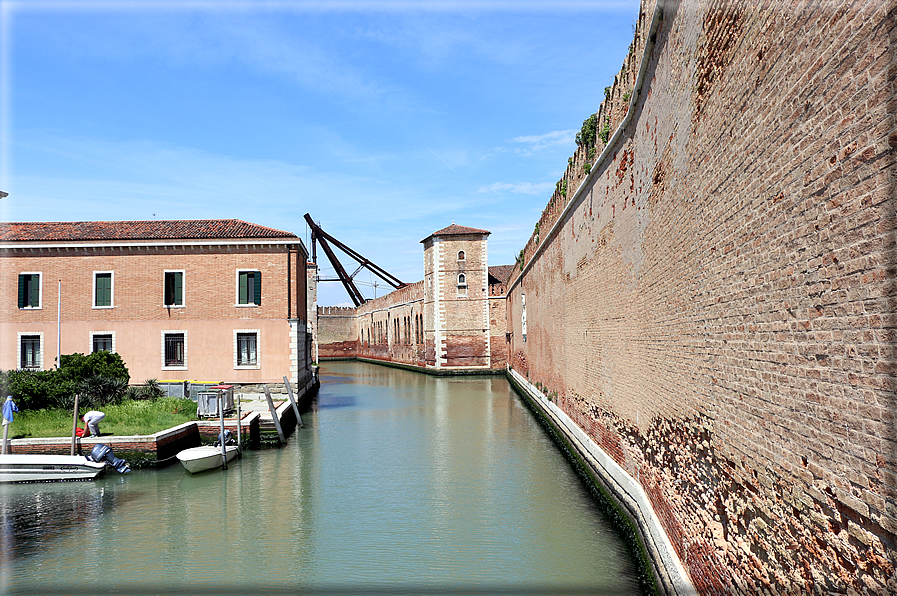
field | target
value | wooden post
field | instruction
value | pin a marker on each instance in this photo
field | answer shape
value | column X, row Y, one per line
column 293, row 402
column 75, row 423
column 239, row 423
column 274, row 415
column 221, row 416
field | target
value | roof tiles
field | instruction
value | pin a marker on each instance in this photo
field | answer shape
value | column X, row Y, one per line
column 456, row 230
column 181, row 229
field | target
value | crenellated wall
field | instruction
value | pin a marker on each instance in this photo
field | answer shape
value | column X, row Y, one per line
column 712, row 298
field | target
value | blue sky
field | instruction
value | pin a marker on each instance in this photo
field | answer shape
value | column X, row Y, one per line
column 384, row 120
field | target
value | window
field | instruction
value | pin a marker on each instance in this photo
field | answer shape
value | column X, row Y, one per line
column 249, row 288
column 102, row 289
column 174, row 350
column 174, row 288
column 29, row 290
column 30, row 356
column 101, row 342
column 461, row 255
column 246, row 348
column 462, row 284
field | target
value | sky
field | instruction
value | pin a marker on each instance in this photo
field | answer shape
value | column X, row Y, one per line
column 386, row 121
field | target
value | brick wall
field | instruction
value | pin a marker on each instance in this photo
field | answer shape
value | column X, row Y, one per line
column 715, row 306
column 208, row 316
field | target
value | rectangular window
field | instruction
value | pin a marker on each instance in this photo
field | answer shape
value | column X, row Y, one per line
column 174, row 288
column 246, row 348
column 29, row 290
column 102, row 342
column 30, row 352
column 102, row 289
column 175, row 346
column 249, row 288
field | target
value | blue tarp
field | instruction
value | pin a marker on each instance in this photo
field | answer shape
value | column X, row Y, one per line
column 9, row 406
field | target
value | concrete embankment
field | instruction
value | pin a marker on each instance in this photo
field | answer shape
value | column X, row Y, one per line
column 159, row 449
column 625, row 490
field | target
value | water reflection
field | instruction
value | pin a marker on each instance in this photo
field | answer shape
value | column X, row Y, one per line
column 400, row 483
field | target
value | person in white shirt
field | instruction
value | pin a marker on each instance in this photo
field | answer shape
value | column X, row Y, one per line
column 92, row 423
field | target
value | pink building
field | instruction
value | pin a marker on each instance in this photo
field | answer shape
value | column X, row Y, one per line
column 203, row 300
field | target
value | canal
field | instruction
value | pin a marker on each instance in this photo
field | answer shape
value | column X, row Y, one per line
column 401, row 483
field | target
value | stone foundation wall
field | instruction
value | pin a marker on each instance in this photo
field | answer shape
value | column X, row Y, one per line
column 711, row 299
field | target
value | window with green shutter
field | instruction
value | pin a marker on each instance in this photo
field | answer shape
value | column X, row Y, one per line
column 249, row 290
column 102, row 295
column 174, row 288
column 29, row 290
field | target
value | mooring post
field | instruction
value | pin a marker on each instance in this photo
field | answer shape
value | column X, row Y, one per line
column 239, row 424
column 293, row 402
column 221, row 436
column 274, row 415
column 75, row 423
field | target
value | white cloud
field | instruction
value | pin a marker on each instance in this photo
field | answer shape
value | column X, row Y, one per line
column 527, row 188
column 550, row 139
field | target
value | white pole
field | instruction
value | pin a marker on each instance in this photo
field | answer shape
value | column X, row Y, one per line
column 58, row 325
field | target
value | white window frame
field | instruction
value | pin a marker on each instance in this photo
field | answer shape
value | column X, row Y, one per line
column 19, row 336
column 93, row 290
column 40, row 291
column 258, row 351
column 237, row 289
column 462, row 255
column 165, row 332
column 183, row 273
column 93, row 333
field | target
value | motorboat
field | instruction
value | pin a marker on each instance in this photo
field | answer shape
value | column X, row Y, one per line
column 206, row 457
column 30, row 467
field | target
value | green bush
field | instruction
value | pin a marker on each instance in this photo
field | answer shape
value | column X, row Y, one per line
column 589, row 132
column 38, row 389
column 148, row 391
column 79, row 367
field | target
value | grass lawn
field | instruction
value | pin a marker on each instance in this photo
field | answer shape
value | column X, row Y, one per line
column 128, row 418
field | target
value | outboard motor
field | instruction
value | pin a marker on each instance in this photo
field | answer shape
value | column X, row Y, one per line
column 103, row 453
column 226, row 438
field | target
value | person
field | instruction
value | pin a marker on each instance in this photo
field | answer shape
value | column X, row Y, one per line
column 92, row 423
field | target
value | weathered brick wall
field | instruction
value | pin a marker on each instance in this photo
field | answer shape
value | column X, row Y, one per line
column 337, row 332
column 716, row 307
column 389, row 327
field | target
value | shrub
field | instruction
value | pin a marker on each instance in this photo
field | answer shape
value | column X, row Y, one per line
column 148, row 391
column 39, row 389
column 79, row 367
column 589, row 132
column 98, row 390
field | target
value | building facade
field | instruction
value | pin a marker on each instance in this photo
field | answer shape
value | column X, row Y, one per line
column 452, row 320
column 206, row 300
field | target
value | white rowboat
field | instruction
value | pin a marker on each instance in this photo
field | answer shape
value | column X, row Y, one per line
column 44, row 468
column 199, row 459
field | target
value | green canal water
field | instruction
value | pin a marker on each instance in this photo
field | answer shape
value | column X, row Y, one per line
column 401, row 483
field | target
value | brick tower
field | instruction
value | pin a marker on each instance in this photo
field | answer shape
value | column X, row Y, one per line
column 456, row 298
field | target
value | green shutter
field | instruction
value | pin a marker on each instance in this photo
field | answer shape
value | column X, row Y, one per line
column 244, row 280
column 35, row 290
column 258, row 287
column 179, row 288
column 103, row 289
column 22, row 291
